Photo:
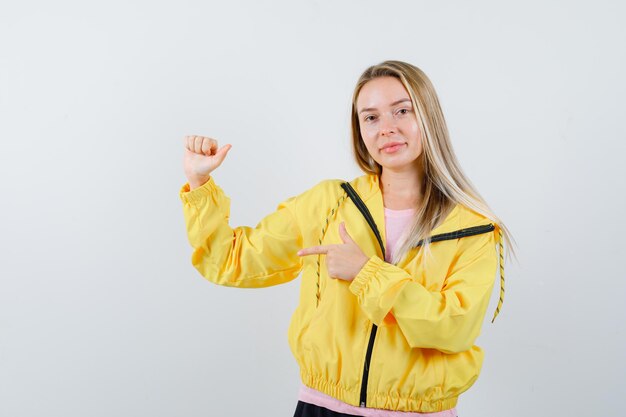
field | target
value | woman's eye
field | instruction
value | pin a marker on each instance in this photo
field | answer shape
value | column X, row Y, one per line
column 404, row 110
column 367, row 119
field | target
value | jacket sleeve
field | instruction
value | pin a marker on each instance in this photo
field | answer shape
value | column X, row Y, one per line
column 448, row 320
column 242, row 256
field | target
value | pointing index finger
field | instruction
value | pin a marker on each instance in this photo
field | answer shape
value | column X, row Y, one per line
column 313, row 250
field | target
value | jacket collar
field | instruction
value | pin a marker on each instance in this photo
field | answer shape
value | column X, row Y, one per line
column 368, row 187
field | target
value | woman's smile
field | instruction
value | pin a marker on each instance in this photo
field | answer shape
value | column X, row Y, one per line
column 394, row 148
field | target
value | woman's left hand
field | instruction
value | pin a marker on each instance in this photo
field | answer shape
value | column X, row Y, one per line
column 343, row 260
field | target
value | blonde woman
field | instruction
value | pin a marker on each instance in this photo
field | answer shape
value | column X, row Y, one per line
column 397, row 266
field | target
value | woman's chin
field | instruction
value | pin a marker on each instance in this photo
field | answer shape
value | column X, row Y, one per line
column 398, row 165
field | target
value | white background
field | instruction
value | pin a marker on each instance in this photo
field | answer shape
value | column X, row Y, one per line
column 101, row 311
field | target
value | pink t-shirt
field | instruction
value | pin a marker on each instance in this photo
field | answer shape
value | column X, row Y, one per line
column 395, row 223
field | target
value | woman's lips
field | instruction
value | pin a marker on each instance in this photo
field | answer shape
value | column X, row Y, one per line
column 392, row 149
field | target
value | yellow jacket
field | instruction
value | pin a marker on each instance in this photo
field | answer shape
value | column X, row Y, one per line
column 398, row 337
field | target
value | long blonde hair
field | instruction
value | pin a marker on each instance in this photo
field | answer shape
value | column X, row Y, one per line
column 445, row 184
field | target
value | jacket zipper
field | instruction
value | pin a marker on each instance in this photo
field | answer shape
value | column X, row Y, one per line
column 470, row 231
column 370, row 345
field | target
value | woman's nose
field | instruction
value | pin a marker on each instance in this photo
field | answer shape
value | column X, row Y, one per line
column 387, row 125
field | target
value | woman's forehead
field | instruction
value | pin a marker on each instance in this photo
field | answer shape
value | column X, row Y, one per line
column 382, row 91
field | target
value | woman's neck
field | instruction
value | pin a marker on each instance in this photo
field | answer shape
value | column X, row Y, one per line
column 401, row 190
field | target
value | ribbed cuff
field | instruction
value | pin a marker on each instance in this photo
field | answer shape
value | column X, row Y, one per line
column 198, row 194
column 366, row 273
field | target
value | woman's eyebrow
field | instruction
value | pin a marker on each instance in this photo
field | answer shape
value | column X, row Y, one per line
column 392, row 104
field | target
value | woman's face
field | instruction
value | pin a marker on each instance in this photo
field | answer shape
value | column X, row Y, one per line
column 386, row 116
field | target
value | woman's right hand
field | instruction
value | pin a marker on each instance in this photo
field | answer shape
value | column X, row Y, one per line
column 202, row 157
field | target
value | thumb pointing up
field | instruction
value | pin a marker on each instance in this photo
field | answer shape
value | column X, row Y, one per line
column 221, row 154
column 202, row 156
column 343, row 232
